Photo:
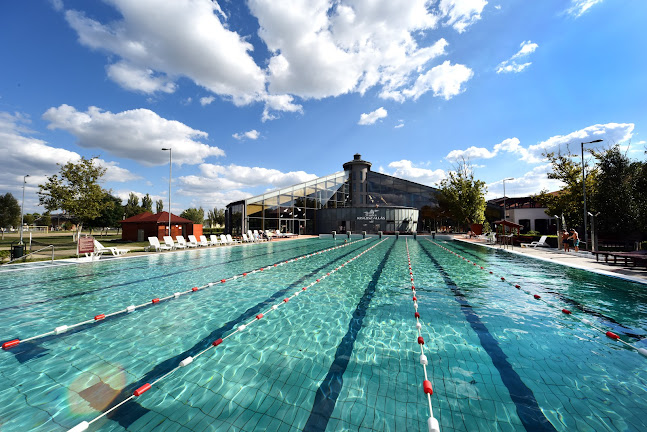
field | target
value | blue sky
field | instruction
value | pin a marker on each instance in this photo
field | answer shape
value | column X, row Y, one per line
column 259, row 94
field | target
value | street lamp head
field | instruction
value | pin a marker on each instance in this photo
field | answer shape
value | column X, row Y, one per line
column 595, row 141
column 511, row 178
column 166, row 149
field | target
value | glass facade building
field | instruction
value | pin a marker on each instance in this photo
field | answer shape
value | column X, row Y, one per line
column 355, row 199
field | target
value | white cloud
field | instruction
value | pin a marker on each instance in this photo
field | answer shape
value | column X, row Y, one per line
column 241, row 176
column 579, row 7
column 153, row 54
column 399, row 125
column 57, row 4
column 372, row 117
column 611, row 133
column 206, row 100
column 460, row 14
column 445, row 80
column 531, row 183
column 252, row 134
column 318, row 48
column 24, row 154
column 511, row 65
column 137, row 134
column 405, row 169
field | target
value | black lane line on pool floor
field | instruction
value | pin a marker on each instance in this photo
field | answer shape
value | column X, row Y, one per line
column 615, row 325
column 31, row 350
column 132, row 410
column 531, row 416
column 175, row 273
column 330, row 388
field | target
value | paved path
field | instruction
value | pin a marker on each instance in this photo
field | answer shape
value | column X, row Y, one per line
column 582, row 260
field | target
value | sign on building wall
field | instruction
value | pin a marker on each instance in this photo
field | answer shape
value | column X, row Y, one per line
column 371, row 215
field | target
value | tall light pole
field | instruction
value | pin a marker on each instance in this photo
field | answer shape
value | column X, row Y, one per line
column 586, row 233
column 22, row 208
column 170, row 168
column 504, row 180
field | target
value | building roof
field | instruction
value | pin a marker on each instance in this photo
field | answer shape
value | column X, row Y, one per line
column 161, row 217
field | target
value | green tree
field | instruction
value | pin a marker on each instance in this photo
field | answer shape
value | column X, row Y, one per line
column 76, row 190
column 193, row 214
column 147, row 203
column 216, row 217
column 569, row 201
column 159, row 206
column 9, row 211
column 28, row 218
column 46, row 219
column 132, row 207
column 112, row 212
column 615, row 196
column 463, row 196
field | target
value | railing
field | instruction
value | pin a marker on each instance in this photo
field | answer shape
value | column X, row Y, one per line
column 32, row 253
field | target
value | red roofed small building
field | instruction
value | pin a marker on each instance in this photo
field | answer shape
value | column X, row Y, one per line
column 147, row 224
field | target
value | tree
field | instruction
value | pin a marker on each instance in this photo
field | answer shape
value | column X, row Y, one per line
column 569, row 202
column 46, row 219
column 111, row 213
column 159, row 206
column 216, row 217
column 132, row 207
column 28, row 218
column 76, row 190
column 463, row 196
column 9, row 211
column 614, row 197
column 194, row 215
column 147, row 203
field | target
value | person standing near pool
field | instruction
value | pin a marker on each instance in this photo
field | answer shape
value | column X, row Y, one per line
column 565, row 241
column 575, row 238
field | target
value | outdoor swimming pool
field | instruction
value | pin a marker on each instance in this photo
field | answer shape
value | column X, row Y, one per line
column 341, row 356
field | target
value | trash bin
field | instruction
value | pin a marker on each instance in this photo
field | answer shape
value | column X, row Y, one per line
column 433, row 235
column 363, row 234
column 17, row 251
column 379, row 233
column 334, row 235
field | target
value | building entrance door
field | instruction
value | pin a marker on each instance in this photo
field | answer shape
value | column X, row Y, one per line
column 286, row 226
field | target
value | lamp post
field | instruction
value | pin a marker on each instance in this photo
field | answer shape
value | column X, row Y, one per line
column 505, row 217
column 586, row 234
column 22, row 207
column 170, row 168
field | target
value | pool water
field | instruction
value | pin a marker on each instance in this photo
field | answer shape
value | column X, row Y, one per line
column 341, row 356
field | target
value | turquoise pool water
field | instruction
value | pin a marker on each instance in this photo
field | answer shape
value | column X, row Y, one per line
column 341, row 356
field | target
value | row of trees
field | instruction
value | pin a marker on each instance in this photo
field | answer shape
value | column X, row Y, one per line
column 616, row 188
column 75, row 189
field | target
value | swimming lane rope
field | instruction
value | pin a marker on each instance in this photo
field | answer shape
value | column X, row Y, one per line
column 102, row 316
column 609, row 334
column 84, row 425
column 432, row 423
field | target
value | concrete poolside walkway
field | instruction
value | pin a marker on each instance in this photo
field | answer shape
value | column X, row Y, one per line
column 582, row 260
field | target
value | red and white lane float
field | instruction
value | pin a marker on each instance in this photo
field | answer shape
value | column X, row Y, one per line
column 84, row 425
column 102, row 316
column 609, row 334
column 432, row 423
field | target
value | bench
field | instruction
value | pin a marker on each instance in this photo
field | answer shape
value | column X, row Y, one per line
column 638, row 257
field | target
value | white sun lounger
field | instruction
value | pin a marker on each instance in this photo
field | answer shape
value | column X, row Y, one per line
column 98, row 247
column 203, row 241
column 181, row 242
column 155, row 243
column 168, row 241
column 541, row 243
column 214, row 240
column 231, row 240
column 193, row 242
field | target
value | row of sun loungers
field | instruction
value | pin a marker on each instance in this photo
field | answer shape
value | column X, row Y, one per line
column 181, row 243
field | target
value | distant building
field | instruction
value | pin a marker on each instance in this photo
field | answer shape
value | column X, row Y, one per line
column 147, row 224
column 355, row 199
column 528, row 213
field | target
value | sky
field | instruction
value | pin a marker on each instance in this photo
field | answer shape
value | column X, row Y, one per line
column 254, row 95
